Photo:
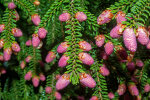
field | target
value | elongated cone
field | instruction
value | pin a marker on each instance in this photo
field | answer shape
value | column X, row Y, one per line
column 63, row 61
column 50, row 57
column 28, row 43
column 15, row 47
column 139, row 63
column 2, row 26
column 80, row 16
column 147, row 88
column 87, row 80
column 105, row 17
column 42, row 32
column 133, row 89
column 11, row 5
column 100, row 39
column 1, row 43
column 28, row 58
column 143, row 36
column 63, row 82
column 16, row 32
column 120, row 16
column 16, row 16
column 7, row 54
column 111, row 95
column 86, row 58
column 130, row 66
column 28, row 76
column 35, row 81
column 42, row 77
column 62, row 47
column 36, row 19
column 22, row 64
column 64, row 17
column 94, row 98
column 109, row 48
column 129, row 39
column 117, row 31
column 1, row 58
column 104, row 71
column 85, row 46
column 121, row 89
column 48, row 90
column 57, row 95
column 35, row 40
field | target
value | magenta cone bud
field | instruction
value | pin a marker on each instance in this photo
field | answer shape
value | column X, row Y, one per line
column 28, row 75
column 42, row 32
column 15, row 47
column 35, row 81
column 63, row 82
column 35, row 40
column 42, row 77
column 94, row 98
column 129, row 39
column 57, row 76
column 130, row 66
column 104, row 70
column 48, row 90
column 80, row 16
column 105, row 17
column 2, row 26
column 17, row 16
column 143, row 36
column 117, row 31
column 1, row 58
column 64, row 17
column 86, row 58
column 111, row 95
column 7, row 54
column 147, row 88
column 109, row 48
column 63, row 61
column 28, row 43
column 22, row 64
column 100, row 39
column 36, row 19
column 16, row 32
column 3, row 71
column 1, row 43
column 103, row 55
column 50, row 57
column 87, row 80
column 28, row 58
column 11, row 5
column 57, row 95
column 139, row 63
column 85, row 46
column 121, row 89
column 62, row 47
column 133, row 89
column 120, row 16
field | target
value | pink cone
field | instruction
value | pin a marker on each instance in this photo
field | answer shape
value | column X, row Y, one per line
column 121, row 89
column 111, row 95
column 35, row 81
column 7, row 54
column 22, row 64
column 42, row 32
column 50, row 57
column 42, row 77
column 105, row 17
column 147, row 88
column 11, row 5
column 104, row 71
column 133, row 89
column 129, row 39
column 62, row 47
column 48, row 90
column 80, row 16
column 57, row 95
column 139, row 63
column 117, row 31
column 63, row 82
column 28, row 75
column 63, row 61
column 100, row 39
column 16, row 32
column 109, row 48
column 1, row 43
column 35, row 40
column 85, row 46
column 36, row 19
column 2, row 26
column 28, row 43
column 120, row 16
column 94, row 98
column 64, row 17
column 1, row 58
column 86, row 58
column 15, row 47
column 87, row 80
column 28, row 58
column 3, row 71
column 130, row 66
